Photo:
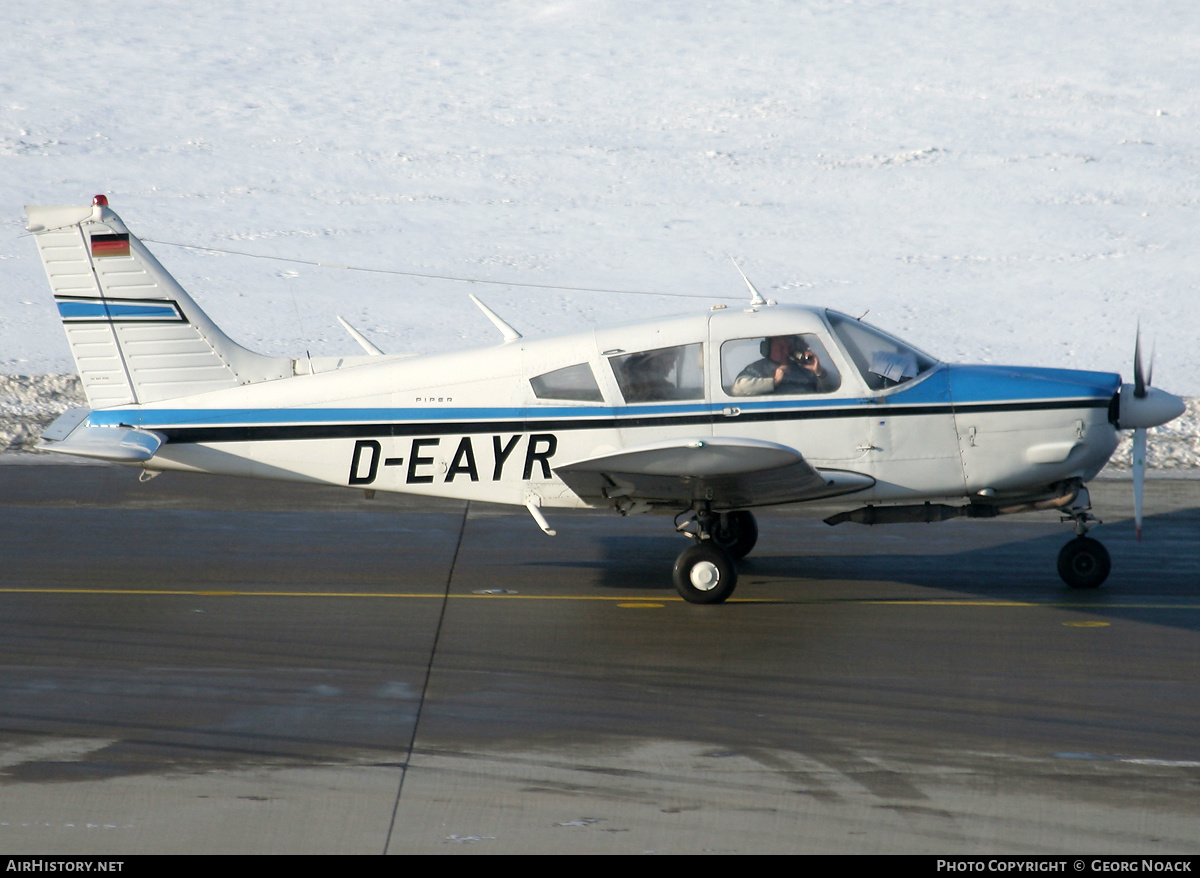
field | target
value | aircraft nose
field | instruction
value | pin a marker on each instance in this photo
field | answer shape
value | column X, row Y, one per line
column 1152, row 408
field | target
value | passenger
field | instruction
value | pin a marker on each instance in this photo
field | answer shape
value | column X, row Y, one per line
column 646, row 377
column 787, row 366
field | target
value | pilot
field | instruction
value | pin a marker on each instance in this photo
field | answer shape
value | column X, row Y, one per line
column 787, row 366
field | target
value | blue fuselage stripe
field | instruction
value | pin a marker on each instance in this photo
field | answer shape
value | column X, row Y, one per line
column 325, row 424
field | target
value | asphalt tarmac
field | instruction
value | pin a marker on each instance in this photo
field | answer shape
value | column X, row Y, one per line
column 198, row 664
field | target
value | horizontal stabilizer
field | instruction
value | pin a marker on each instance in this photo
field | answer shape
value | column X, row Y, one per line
column 71, row 434
column 62, row 426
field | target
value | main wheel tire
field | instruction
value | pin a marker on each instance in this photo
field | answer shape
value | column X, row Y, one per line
column 1084, row 563
column 704, row 574
column 736, row 533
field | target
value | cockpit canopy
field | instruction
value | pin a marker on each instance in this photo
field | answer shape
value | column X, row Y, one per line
column 777, row 351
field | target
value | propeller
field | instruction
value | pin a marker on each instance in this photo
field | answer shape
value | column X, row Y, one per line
column 1140, row 406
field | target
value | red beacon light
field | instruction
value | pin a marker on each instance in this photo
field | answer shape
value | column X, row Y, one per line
column 100, row 201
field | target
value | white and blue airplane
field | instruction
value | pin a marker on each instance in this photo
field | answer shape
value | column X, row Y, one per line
column 705, row 416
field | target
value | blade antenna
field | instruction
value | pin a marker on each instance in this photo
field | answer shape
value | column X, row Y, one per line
column 755, row 296
column 507, row 331
column 362, row 340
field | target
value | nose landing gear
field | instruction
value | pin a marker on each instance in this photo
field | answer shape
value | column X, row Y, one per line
column 1083, row 562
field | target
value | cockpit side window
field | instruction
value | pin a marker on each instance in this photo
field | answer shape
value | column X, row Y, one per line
column 662, row 374
column 884, row 361
column 783, row 364
column 575, row 383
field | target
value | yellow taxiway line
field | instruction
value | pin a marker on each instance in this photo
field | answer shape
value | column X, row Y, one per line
column 621, row 599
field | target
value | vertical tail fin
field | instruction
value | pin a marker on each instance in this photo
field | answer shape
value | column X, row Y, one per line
column 136, row 336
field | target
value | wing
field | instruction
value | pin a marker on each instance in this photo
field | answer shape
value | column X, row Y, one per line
column 730, row 473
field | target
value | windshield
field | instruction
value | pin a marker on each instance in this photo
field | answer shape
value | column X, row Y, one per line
column 883, row 360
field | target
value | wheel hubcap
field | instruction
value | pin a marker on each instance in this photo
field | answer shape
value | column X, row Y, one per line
column 705, row 576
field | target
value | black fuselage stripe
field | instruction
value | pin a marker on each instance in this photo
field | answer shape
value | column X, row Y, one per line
column 278, row 432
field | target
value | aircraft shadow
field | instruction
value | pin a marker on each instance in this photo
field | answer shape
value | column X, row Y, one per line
column 989, row 560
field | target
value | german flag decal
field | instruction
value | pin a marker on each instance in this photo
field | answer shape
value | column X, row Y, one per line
column 110, row 245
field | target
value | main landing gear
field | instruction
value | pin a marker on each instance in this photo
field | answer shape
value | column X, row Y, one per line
column 706, row 572
column 1083, row 562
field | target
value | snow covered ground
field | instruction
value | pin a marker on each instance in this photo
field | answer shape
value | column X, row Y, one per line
column 994, row 181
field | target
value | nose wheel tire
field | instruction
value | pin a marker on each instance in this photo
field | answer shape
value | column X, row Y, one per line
column 1084, row 563
column 704, row 574
column 736, row 533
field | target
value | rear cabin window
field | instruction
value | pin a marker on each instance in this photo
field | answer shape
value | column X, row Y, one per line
column 661, row 375
column 575, row 383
